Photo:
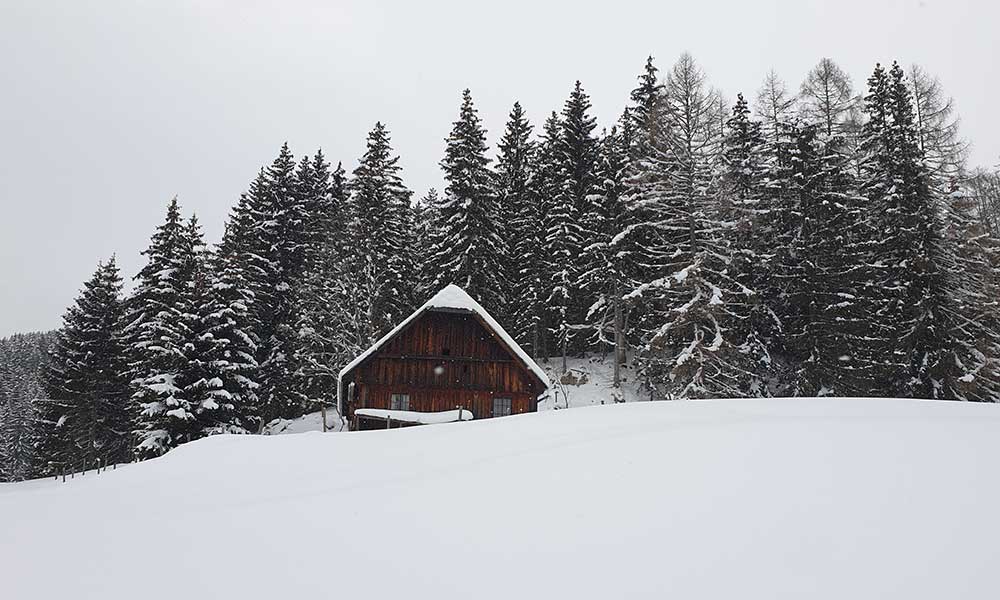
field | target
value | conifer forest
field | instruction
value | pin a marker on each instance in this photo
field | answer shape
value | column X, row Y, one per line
column 822, row 238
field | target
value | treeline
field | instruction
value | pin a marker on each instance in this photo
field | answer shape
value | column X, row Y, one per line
column 22, row 362
column 819, row 242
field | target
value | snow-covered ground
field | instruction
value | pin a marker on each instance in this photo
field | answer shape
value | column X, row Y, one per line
column 698, row 499
column 310, row 422
column 588, row 381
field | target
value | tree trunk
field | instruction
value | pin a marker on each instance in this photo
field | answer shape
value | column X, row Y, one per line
column 618, row 354
column 565, row 336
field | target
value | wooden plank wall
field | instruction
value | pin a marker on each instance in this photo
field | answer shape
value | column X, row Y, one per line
column 437, row 400
column 444, row 360
column 446, row 350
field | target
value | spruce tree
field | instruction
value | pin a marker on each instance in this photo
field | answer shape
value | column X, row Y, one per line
column 86, row 418
column 157, row 333
column 468, row 249
column 23, row 362
column 321, row 350
column 229, row 344
column 515, row 200
column 604, row 276
column 910, row 251
column 578, row 163
column 683, row 341
column 831, row 289
column 750, row 247
column 381, row 253
column 21, row 435
column 971, row 314
column 278, row 255
column 638, row 242
column 219, row 349
column 538, row 322
column 561, row 240
column 646, row 105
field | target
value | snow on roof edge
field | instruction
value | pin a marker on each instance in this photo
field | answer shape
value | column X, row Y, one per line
column 453, row 297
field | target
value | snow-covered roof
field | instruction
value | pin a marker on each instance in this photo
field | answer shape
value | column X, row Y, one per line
column 451, row 297
column 410, row 416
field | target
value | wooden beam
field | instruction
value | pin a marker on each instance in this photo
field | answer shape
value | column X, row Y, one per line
column 444, row 358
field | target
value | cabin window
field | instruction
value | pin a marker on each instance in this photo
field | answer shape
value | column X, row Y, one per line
column 399, row 402
column 501, row 407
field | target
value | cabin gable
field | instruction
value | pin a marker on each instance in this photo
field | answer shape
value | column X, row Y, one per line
column 440, row 360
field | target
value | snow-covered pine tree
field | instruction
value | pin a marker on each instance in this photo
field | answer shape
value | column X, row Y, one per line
column 468, row 248
column 339, row 210
column 971, row 314
column 829, row 286
column 638, row 243
column 603, row 279
column 646, row 105
column 537, row 219
column 381, row 277
column 20, row 431
column 227, row 337
column 321, row 349
column 86, row 418
column 579, row 157
column 910, row 251
column 279, row 214
column 515, row 199
column 750, row 239
column 425, row 217
column 157, row 333
column 23, row 361
column 561, row 241
column 683, row 350
column 215, row 374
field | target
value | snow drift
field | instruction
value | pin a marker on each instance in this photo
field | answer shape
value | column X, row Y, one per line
column 714, row 499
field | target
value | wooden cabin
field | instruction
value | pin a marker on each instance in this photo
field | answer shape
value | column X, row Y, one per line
column 448, row 355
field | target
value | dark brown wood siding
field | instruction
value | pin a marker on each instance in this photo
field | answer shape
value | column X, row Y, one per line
column 444, row 360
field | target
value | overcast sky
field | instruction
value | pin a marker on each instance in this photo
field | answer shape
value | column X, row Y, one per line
column 108, row 109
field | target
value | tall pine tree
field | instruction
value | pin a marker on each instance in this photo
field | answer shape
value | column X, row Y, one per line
column 86, row 418
column 468, row 249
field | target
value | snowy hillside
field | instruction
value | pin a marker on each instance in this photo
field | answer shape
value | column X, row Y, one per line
column 717, row 499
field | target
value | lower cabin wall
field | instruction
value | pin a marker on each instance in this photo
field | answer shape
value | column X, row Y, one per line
column 438, row 400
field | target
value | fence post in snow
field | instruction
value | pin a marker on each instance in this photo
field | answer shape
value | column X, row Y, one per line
column 388, row 421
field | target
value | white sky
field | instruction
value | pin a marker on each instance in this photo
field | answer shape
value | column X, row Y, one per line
column 108, row 109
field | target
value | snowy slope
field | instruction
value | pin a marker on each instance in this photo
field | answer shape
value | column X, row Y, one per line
column 588, row 381
column 716, row 499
